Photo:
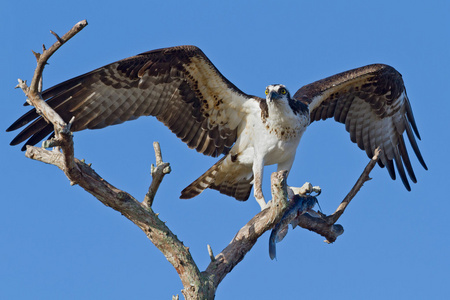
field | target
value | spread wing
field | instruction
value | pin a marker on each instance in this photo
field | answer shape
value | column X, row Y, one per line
column 179, row 86
column 372, row 103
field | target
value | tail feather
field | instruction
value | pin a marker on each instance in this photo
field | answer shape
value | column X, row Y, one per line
column 239, row 190
column 202, row 183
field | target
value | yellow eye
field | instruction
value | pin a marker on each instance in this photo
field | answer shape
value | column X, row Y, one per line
column 267, row 92
column 283, row 91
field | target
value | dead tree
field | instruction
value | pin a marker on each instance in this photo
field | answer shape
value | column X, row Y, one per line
column 197, row 284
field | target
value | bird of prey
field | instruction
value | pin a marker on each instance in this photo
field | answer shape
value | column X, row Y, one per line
column 184, row 90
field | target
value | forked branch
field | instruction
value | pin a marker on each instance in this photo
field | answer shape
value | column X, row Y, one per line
column 197, row 285
column 82, row 174
column 298, row 215
column 63, row 136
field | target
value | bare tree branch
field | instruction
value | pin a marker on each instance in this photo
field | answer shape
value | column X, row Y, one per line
column 326, row 225
column 62, row 130
column 158, row 174
column 211, row 254
column 144, row 217
column 248, row 235
column 331, row 219
column 197, row 285
column 80, row 173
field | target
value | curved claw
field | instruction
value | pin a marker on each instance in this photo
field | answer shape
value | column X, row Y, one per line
column 316, row 189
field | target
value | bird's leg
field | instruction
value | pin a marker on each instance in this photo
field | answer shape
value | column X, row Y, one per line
column 258, row 191
column 258, row 166
column 261, row 201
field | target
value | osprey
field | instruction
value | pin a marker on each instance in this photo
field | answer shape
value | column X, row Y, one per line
column 184, row 90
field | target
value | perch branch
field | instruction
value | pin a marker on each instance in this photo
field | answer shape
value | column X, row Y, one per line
column 247, row 236
column 326, row 225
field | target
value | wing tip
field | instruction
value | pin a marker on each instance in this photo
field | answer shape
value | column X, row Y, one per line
column 422, row 161
column 406, row 184
column 190, row 192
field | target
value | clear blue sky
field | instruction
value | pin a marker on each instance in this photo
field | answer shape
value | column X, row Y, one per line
column 58, row 242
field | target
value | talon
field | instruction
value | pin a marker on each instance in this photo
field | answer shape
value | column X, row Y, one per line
column 317, row 190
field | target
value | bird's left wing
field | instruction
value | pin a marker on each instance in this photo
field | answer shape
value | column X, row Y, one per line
column 179, row 86
column 372, row 103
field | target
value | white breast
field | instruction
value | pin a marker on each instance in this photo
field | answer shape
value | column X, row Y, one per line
column 274, row 140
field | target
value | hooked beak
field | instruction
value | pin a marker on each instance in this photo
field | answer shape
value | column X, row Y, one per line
column 273, row 96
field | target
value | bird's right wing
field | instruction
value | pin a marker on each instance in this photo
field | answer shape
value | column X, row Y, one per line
column 179, row 86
